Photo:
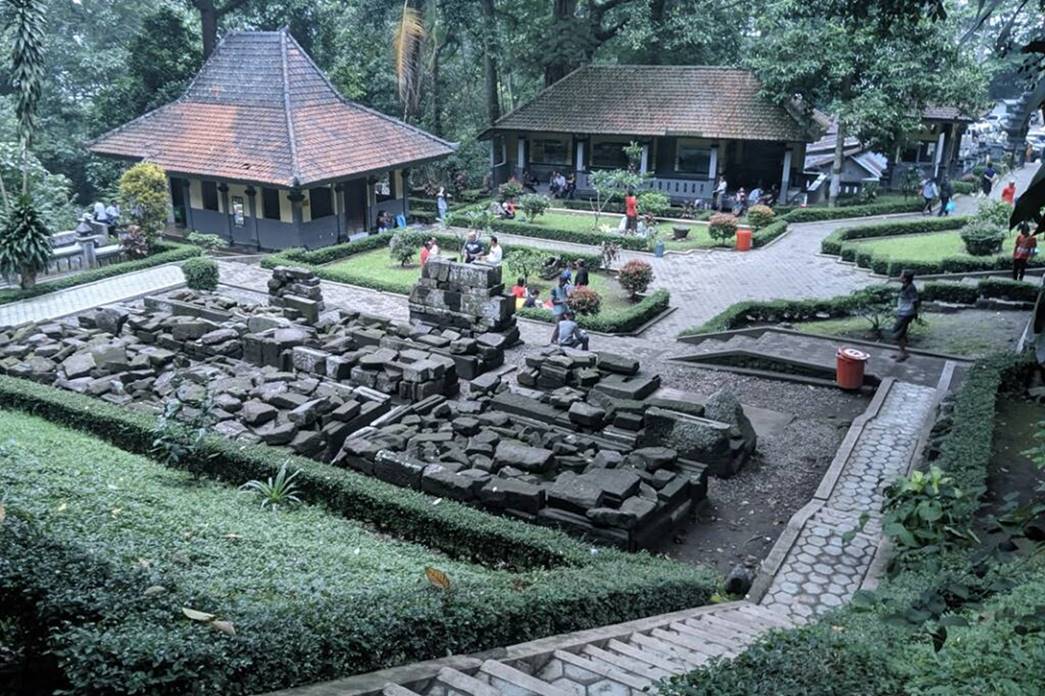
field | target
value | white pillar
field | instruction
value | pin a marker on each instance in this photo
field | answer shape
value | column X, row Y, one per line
column 785, row 178
column 713, row 164
column 938, row 155
column 580, row 156
column 520, row 154
column 644, row 159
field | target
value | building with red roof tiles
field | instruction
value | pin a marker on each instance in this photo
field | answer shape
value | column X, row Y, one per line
column 262, row 150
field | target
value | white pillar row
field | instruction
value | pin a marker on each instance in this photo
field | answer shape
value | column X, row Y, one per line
column 785, row 178
column 713, row 164
column 938, row 155
column 580, row 156
column 520, row 154
column 644, row 159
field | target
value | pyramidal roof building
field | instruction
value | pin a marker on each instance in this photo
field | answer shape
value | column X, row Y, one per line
column 263, row 151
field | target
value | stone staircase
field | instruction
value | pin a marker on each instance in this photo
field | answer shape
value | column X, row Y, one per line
column 770, row 351
column 619, row 665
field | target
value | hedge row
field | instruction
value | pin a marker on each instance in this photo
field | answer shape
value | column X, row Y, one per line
column 111, row 634
column 621, row 321
column 992, row 288
column 854, row 211
column 891, row 266
column 591, row 237
column 966, row 188
column 765, row 235
column 833, row 243
column 742, row 314
column 166, row 252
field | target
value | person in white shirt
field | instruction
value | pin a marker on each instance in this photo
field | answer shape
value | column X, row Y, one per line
column 496, row 253
column 720, row 193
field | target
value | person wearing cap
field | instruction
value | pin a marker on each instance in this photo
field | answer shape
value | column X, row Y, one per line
column 907, row 303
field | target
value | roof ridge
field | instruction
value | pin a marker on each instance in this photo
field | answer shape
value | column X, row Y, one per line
column 355, row 105
column 287, row 112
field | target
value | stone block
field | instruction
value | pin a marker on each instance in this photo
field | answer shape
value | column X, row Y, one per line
column 310, row 360
column 255, row 413
column 585, row 415
column 504, row 493
column 522, row 456
column 619, row 364
column 398, row 469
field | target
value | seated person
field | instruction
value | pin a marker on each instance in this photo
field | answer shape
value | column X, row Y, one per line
column 531, row 182
column 570, row 334
column 508, row 209
column 532, row 298
column 553, row 184
column 385, row 222
column 473, row 248
column 496, row 254
column 571, row 186
column 496, row 209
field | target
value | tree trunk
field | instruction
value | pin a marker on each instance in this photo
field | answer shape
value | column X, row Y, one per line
column 209, row 26
column 653, row 50
column 493, row 101
column 836, row 166
column 27, row 279
column 562, row 11
column 437, row 121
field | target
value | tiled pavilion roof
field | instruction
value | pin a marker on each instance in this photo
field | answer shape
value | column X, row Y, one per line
column 261, row 111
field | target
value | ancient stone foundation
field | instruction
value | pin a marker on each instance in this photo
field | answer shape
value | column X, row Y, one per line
column 297, row 292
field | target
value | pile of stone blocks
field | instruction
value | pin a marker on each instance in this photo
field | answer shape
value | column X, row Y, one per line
column 617, row 375
column 467, row 299
column 297, row 292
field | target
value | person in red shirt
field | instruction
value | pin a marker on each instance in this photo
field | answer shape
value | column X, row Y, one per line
column 426, row 250
column 1026, row 247
column 1008, row 194
column 519, row 289
column 631, row 211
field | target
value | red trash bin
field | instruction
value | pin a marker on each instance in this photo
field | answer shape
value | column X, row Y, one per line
column 849, row 368
column 743, row 239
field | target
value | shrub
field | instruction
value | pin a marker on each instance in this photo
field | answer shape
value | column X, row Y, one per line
column 404, row 244
column 983, row 238
column 768, row 233
column 525, row 261
column 201, row 274
column 134, row 243
column 618, row 321
column 534, row 205
column 955, row 293
column 25, row 243
column 964, row 187
column 653, row 203
column 143, row 192
column 760, row 215
column 820, row 214
column 510, row 189
column 722, row 227
column 635, row 276
column 993, row 212
column 920, row 513
column 585, row 301
column 209, row 242
column 1005, row 289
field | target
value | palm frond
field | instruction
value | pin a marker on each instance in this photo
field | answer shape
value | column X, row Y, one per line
column 409, row 35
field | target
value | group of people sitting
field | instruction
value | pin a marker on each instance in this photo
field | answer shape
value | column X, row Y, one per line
column 386, row 222
column 106, row 214
column 567, row 333
column 504, row 211
column 472, row 251
column 559, row 184
column 742, row 199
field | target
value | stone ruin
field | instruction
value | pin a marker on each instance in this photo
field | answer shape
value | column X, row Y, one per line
column 297, row 292
column 602, row 451
column 469, row 299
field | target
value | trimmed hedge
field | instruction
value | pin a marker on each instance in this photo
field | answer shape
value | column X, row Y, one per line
column 884, row 265
column 166, row 252
column 765, row 235
column 110, row 635
column 966, row 188
column 833, row 243
column 612, row 322
column 742, row 314
column 992, row 288
column 853, row 211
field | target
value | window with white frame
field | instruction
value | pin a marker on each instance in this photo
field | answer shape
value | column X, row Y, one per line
column 550, row 151
column 693, row 158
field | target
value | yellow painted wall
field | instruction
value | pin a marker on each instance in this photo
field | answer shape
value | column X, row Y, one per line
column 195, row 194
column 286, row 211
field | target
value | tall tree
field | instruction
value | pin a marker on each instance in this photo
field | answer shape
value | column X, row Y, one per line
column 577, row 29
column 407, row 47
column 490, row 77
column 874, row 79
column 211, row 14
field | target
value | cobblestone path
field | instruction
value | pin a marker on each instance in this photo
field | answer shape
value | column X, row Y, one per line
column 820, row 570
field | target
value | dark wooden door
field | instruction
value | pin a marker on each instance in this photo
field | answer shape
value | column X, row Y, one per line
column 178, row 201
column 355, row 205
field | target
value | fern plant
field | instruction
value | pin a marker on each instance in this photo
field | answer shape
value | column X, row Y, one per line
column 276, row 491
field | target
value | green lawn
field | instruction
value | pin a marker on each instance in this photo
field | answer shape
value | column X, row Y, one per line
column 927, row 247
column 972, row 332
column 377, row 265
column 586, row 222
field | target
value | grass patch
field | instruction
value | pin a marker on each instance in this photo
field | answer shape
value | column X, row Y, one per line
column 923, row 248
column 166, row 252
column 85, row 540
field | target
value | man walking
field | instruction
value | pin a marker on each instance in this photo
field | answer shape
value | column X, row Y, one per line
column 907, row 303
column 928, row 195
column 946, row 193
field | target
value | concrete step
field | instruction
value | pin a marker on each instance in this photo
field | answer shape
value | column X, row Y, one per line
column 625, row 663
column 511, row 682
column 572, row 672
column 704, row 634
column 668, row 664
column 670, row 650
column 396, row 690
column 460, row 684
column 696, row 643
column 767, row 616
column 735, row 632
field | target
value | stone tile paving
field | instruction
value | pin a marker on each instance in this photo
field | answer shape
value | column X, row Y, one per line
column 77, row 299
column 821, row 571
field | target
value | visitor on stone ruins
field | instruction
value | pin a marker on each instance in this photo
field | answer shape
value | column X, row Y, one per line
column 570, row 334
column 1026, row 248
column 496, row 253
column 581, row 278
column 907, row 303
column 473, row 248
column 433, row 248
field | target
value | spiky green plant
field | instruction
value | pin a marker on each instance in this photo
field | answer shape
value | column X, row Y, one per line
column 275, row 491
column 25, row 242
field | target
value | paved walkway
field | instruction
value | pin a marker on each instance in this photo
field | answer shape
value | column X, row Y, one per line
column 82, row 297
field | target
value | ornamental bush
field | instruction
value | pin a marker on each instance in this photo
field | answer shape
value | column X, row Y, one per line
column 143, row 192
column 635, row 276
column 585, row 301
column 525, row 261
column 983, row 238
column 25, row 243
column 534, row 205
column 134, row 243
column 403, row 245
column 760, row 215
column 653, row 203
column 722, row 227
column 201, row 273
column 993, row 212
column 210, row 242
column 510, row 189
